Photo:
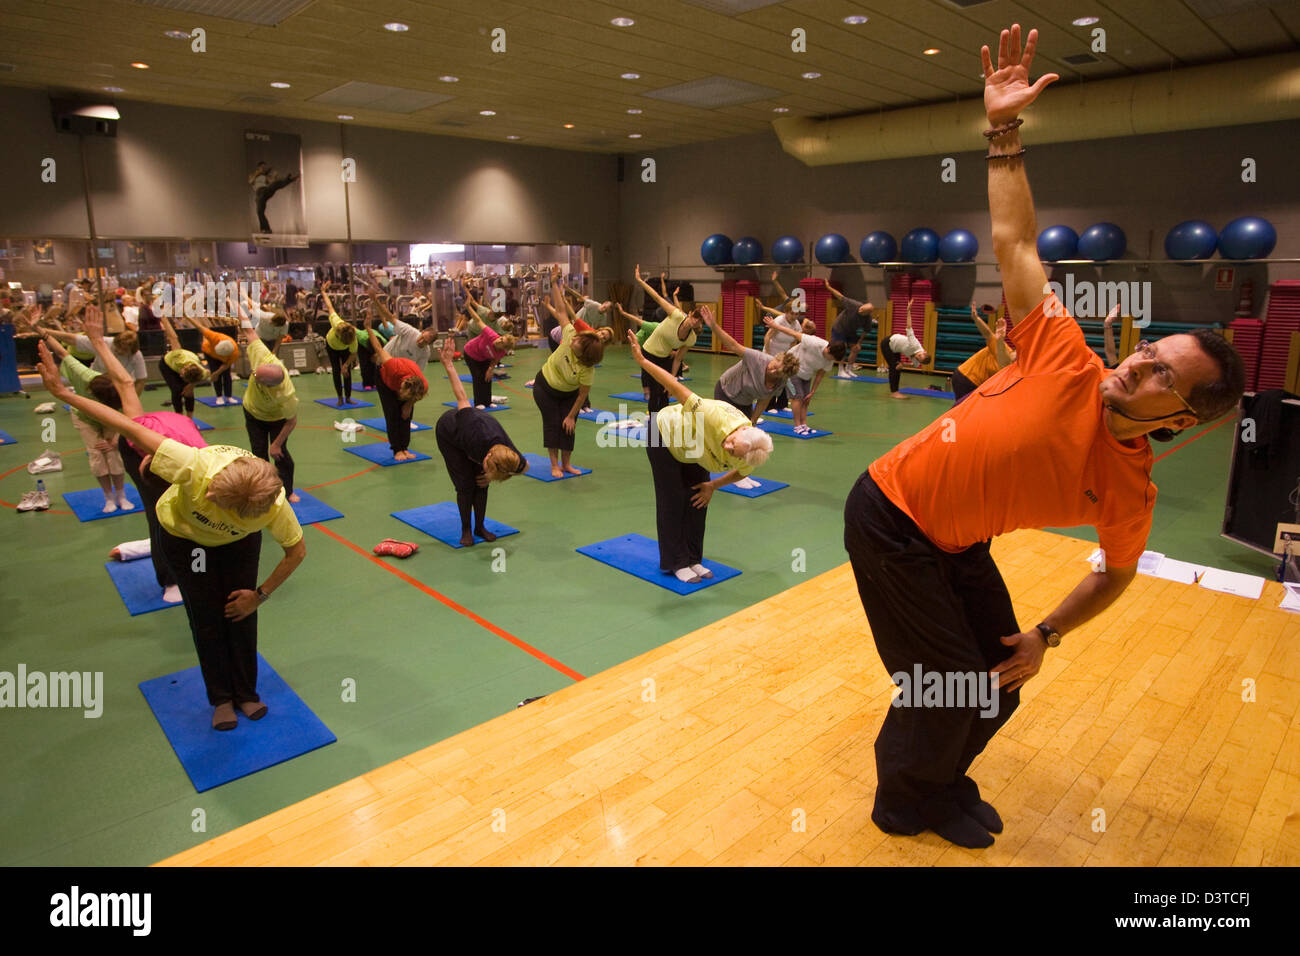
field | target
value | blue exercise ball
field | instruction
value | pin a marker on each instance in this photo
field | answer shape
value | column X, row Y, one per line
column 1103, row 241
column 1193, row 239
column 747, row 250
column 716, row 250
column 831, row 249
column 787, row 250
column 1249, row 237
column 1058, row 242
column 960, row 245
column 878, row 247
column 921, row 245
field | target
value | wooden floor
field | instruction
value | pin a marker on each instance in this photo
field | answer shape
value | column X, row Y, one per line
column 750, row 742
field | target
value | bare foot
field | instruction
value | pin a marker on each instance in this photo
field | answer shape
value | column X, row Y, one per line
column 899, row 395
column 403, row 456
column 485, row 534
column 571, row 469
column 466, row 540
column 556, row 472
column 295, row 497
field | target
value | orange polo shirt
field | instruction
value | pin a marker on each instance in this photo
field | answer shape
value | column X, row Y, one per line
column 1028, row 449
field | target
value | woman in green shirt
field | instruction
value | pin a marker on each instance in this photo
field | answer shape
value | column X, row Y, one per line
column 685, row 442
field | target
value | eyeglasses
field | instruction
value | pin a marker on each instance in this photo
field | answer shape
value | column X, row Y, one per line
column 1162, row 372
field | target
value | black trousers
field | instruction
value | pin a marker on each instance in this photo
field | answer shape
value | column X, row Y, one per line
column 181, row 404
column 264, row 195
column 779, row 401
column 227, row 649
column 399, row 428
column 658, row 394
column 369, row 370
column 944, row 613
column 720, row 394
column 555, row 407
column 891, row 359
column 961, row 386
column 679, row 524
column 342, row 383
column 464, row 472
column 151, row 488
column 260, row 436
column 482, row 389
column 221, row 384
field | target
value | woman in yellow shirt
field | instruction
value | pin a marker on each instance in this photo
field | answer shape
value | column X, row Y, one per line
column 560, row 388
column 685, row 443
column 211, row 521
column 181, row 370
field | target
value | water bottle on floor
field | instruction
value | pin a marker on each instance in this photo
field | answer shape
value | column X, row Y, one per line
column 40, row 486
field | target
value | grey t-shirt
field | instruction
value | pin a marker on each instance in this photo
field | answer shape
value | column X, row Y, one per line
column 403, row 344
column 744, row 383
column 850, row 325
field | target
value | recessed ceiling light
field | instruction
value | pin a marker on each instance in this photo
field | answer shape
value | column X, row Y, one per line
column 568, row 126
column 512, row 136
column 449, row 79
column 622, row 21
column 631, row 76
column 141, row 66
column 811, row 76
column 634, row 111
column 345, row 116
column 931, row 52
column 396, row 27
column 633, row 135
column 177, row 34
column 487, row 112
column 279, row 85
column 114, row 89
column 855, row 20
column 780, row 109
column 1086, row 21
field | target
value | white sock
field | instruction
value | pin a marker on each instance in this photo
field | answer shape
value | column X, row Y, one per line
column 133, row 550
column 172, row 594
column 687, row 575
column 701, row 570
column 109, row 506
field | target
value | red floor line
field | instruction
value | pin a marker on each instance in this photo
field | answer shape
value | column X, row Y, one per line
column 488, row 625
column 1194, row 437
column 13, row 504
column 337, row 480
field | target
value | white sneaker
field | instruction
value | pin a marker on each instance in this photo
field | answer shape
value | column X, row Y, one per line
column 701, row 571
column 47, row 461
column 350, row 427
column 27, row 502
column 42, row 500
column 759, row 420
column 294, row 371
column 44, row 408
column 172, row 594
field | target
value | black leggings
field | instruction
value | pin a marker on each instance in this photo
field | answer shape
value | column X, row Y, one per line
column 482, row 389
column 227, row 648
column 781, row 400
column 940, row 612
column 342, row 383
column 369, row 370
column 721, row 395
column 181, row 404
column 680, row 525
column 399, row 428
column 555, row 407
column 464, row 471
column 658, row 394
column 221, row 384
column 260, row 436
column 891, row 359
column 151, row 488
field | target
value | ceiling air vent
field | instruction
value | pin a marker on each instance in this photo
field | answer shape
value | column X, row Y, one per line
column 713, row 92
column 268, row 13
column 1078, row 59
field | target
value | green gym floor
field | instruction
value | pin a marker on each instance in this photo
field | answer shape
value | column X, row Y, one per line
column 430, row 661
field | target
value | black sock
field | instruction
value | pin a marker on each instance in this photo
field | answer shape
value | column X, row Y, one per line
column 953, row 824
column 465, row 502
column 967, row 794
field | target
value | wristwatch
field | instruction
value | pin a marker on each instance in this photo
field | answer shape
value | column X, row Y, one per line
column 262, row 596
column 1050, row 635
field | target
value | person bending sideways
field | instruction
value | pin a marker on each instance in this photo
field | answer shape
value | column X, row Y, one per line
column 400, row 385
column 219, row 500
column 561, row 387
column 685, row 442
column 895, row 347
column 667, row 344
column 752, row 382
column 1050, row 441
column 816, row 356
column 985, row 363
column 405, row 341
column 482, row 354
column 221, row 353
column 270, row 410
column 477, row 451
column 851, row 327
column 341, row 345
column 775, row 344
column 180, row 369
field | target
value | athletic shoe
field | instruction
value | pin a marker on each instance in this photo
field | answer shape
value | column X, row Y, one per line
column 759, row 420
column 44, row 408
column 47, row 461
column 527, row 700
column 42, row 499
column 28, row 502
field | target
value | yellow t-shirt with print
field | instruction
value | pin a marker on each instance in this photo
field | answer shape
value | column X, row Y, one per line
column 332, row 336
column 663, row 341
column 262, row 402
column 694, row 431
column 177, row 359
column 563, row 371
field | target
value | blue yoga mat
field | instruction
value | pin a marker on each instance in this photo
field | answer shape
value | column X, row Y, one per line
column 379, row 453
column 539, row 467
column 928, row 393
column 381, row 425
column 334, row 403
column 493, row 408
column 595, row 416
column 783, row 413
column 635, row 397
column 468, row 379
column 211, row 401
column 639, row 556
column 637, row 375
column 765, row 487
column 86, row 505
column 634, row 437
column 201, row 425
column 212, row 757
column 7, row 439
column 784, row 428
column 859, row 378
column 442, row 521
column 137, row 585
column 311, row 509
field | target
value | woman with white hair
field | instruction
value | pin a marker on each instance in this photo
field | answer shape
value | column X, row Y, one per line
column 219, row 500
column 685, row 443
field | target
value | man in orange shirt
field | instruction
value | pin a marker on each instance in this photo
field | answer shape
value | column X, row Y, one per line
column 1050, row 441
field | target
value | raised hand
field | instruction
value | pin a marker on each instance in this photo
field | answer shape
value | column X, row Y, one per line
column 92, row 323
column 1112, row 315
column 1006, row 89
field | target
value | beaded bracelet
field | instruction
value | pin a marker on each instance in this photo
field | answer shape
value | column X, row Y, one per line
column 997, row 131
column 1020, row 152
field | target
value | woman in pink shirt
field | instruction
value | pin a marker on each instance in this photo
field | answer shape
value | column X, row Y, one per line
column 482, row 353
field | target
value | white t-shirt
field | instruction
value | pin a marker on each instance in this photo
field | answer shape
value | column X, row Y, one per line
column 780, row 343
column 133, row 363
column 812, row 357
column 905, row 344
column 131, row 313
column 403, row 344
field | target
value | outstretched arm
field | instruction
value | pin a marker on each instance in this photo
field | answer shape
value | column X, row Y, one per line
column 832, row 290
column 649, row 290
column 730, row 344
column 636, row 319
column 122, row 379
column 674, row 388
column 782, row 330
column 989, row 340
column 1007, row 92
column 785, row 296
column 169, row 333
column 1108, row 336
column 447, row 356
column 110, row 418
column 377, row 347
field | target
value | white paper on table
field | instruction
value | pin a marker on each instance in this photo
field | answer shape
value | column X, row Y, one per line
column 1291, row 598
column 1233, row 582
column 1150, row 562
column 1171, row 569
